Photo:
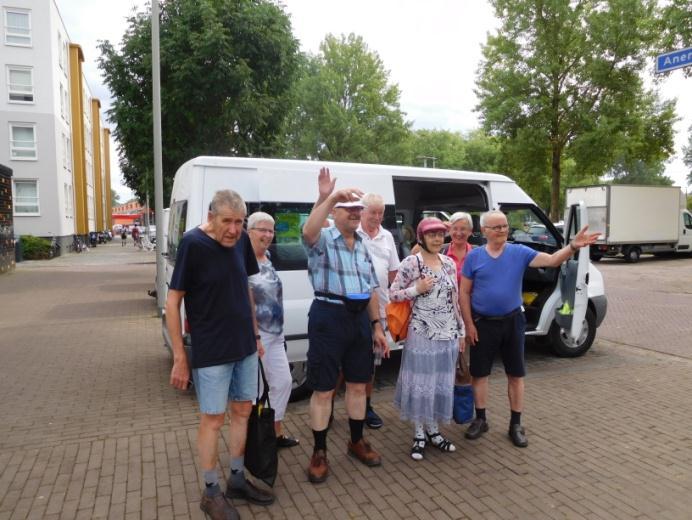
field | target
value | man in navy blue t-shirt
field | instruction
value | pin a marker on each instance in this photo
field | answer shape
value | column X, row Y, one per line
column 211, row 272
column 490, row 295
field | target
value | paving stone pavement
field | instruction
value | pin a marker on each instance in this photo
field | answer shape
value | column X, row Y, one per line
column 89, row 427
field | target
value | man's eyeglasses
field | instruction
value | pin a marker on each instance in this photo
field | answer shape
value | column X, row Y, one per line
column 498, row 228
column 264, row 230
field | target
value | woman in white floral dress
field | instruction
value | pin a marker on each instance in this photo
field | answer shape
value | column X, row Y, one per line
column 425, row 388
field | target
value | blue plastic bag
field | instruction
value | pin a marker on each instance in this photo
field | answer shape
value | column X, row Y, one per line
column 463, row 403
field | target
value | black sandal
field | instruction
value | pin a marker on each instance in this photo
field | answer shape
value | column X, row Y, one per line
column 440, row 442
column 418, row 448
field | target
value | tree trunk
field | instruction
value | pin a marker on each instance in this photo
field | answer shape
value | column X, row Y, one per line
column 555, row 213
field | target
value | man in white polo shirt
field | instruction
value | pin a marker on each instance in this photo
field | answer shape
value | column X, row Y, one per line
column 380, row 244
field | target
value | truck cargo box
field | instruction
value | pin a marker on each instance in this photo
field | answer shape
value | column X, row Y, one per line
column 631, row 214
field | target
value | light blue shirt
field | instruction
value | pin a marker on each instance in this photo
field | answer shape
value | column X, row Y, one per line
column 334, row 268
column 497, row 281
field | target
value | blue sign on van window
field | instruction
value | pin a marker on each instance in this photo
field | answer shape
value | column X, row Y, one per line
column 673, row 60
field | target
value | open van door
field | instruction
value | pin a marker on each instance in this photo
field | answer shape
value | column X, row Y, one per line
column 574, row 278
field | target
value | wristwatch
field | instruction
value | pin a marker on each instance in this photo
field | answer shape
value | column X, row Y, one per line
column 374, row 322
column 257, row 336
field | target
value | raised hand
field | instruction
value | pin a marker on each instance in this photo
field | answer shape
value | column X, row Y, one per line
column 325, row 183
column 347, row 195
column 581, row 239
column 424, row 284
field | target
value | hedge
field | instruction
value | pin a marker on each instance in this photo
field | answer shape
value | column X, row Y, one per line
column 35, row 248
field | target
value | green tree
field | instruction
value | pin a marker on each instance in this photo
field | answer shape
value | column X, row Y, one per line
column 474, row 151
column 115, row 198
column 675, row 28
column 639, row 173
column 446, row 147
column 561, row 80
column 227, row 67
column 346, row 108
column 687, row 156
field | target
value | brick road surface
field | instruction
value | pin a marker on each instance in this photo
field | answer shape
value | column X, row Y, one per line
column 649, row 303
column 90, row 428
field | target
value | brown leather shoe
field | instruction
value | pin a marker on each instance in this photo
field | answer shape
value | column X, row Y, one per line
column 318, row 470
column 362, row 451
column 218, row 508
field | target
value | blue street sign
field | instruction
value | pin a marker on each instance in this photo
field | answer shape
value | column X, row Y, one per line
column 673, row 60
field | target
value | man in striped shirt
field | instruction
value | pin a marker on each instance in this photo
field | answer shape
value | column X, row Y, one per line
column 343, row 322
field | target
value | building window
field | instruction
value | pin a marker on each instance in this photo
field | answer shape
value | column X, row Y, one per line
column 68, row 200
column 65, row 104
column 26, row 197
column 62, row 101
column 68, row 153
column 64, row 151
column 61, row 62
column 20, row 84
column 23, row 142
column 18, row 27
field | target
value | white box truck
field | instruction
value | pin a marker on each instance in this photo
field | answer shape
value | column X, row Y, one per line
column 634, row 220
column 287, row 190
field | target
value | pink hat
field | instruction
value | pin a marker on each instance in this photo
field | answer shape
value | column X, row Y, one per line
column 427, row 225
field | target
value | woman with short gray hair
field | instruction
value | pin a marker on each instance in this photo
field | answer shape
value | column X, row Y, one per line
column 267, row 292
column 460, row 229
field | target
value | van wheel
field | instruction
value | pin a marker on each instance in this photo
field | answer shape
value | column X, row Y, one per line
column 563, row 346
column 632, row 254
column 299, row 375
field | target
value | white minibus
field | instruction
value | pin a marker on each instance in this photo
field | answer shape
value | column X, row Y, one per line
column 287, row 189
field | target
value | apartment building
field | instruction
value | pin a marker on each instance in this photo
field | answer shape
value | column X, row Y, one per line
column 51, row 132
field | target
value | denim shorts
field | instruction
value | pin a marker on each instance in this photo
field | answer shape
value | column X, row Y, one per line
column 217, row 385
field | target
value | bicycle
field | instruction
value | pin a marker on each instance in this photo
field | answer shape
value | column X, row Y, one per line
column 78, row 245
column 54, row 248
column 147, row 244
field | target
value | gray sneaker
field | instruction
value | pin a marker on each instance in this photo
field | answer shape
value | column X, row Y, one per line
column 218, row 508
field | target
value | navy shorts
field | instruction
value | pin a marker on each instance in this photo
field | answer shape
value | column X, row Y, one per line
column 505, row 335
column 338, row 340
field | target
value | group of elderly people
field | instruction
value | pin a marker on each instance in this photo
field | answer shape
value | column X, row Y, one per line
column 429, row 279
column 459, row 296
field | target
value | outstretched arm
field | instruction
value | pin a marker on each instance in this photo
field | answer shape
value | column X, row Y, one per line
column 582, row 239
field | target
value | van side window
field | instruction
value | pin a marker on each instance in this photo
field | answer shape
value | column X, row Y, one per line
column 688, row 220
column 287, row 252
column 526, row 227
column 176, row 227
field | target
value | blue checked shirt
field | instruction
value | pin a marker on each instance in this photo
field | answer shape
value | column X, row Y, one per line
column 335, row 269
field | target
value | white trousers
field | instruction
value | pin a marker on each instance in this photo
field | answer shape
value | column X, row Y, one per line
column 277, row 371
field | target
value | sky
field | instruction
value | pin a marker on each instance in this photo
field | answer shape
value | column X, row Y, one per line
column 432, row 54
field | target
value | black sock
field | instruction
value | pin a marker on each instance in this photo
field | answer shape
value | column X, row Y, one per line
column 516, row 418
column 480, row 413
column 367, row 403
column 356, row 429
column 320, row 439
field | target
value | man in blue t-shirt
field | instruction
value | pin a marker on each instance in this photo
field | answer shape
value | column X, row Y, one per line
column 491, row 300
column 211, row 272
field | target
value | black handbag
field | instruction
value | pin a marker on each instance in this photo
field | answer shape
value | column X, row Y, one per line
column 261, row 452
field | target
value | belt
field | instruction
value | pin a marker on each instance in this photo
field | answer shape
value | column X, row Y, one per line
column 478, row 317
column 327, row 297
